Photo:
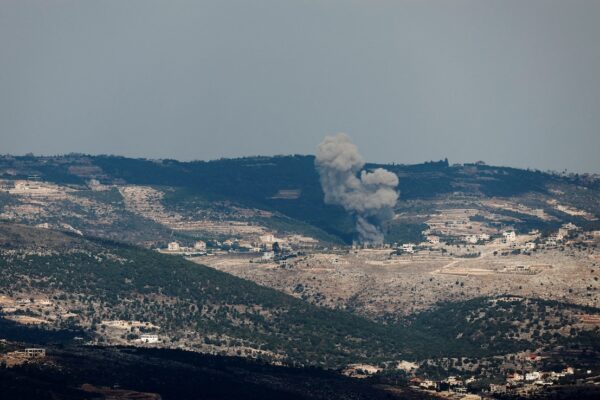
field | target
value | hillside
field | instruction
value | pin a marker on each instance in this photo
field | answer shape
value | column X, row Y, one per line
column 145, row 201
column 127, row 373
column 115, row 293
column 94, row 284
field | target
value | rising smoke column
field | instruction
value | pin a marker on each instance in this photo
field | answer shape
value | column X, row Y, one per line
column 369, row 196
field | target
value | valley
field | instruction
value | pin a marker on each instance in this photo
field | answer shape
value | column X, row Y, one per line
column 486, row 274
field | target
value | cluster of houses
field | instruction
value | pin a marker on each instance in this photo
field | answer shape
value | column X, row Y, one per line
column 563, row 233
column 264, row 243
column 514, row 382
column 474, row 239
column 268, row 244
column 539, row 377
column 450, row 384
column 529, row 381
column 199, row 248
column 510, row 236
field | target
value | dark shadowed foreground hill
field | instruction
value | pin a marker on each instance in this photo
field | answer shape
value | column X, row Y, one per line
column 144, row 374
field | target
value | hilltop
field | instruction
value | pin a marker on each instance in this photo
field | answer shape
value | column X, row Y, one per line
column 145, row 201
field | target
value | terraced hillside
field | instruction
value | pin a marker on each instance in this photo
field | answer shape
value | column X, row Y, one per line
column 150, row 201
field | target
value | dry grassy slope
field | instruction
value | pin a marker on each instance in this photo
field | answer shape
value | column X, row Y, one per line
column 87, row 284
column 373, row 284
column 195, row 307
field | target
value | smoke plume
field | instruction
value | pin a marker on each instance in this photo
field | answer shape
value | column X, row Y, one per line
column 368, row 195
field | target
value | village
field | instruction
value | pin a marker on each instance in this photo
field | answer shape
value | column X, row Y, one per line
column 521, row 378
column 518, row 384
column 465, row 253
column 389, row 276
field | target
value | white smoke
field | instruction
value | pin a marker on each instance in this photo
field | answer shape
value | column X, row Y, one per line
column 369, row 196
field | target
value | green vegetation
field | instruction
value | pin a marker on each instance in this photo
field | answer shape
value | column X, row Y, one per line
column 485, row 326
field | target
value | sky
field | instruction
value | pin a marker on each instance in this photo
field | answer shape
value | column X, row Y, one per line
column 509, row 82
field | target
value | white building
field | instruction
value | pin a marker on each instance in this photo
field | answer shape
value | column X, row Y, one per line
column 484, row 237
column 453, row 381
column 428, row 385
column 562, row 234
column 516, row 377
column 473, row 239
column 35, row 352
column 470, row 380
column 268, row 238
column 200, row 245
column 433, row 239
column 173, row 246
column 148, row 338
column 533, row 376
column 268, row 255
column 509, row 236
column 530, row 245
column 571, row 227
column 569, row 371
column 408, row 248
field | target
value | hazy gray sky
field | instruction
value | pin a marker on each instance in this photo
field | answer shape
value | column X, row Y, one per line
column 511, row 82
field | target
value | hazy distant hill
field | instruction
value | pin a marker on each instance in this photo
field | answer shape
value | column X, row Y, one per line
column 289, row 187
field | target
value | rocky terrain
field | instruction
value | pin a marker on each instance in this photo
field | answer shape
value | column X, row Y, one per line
column 150, row 202
column 481, row 267
column 381, row 285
